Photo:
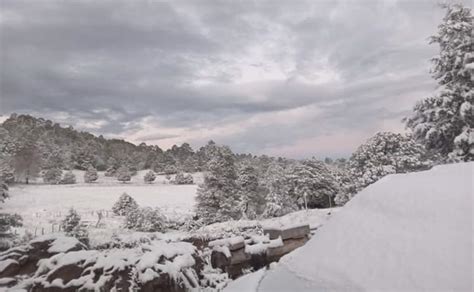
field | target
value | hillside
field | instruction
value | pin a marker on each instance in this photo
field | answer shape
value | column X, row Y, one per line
column 65, row 147
column 407, row 232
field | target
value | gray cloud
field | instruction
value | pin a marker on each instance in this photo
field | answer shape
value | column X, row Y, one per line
column 169, row 72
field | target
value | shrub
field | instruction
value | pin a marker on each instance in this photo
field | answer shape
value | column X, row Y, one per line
column 149, row 177
column 68, row 178
column 123, row 174
column 90, row 175
column 124, row 205
column 182, row 179
column 145, row 220
column 52, row 176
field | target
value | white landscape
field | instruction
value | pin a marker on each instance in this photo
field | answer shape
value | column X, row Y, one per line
column 245, row 146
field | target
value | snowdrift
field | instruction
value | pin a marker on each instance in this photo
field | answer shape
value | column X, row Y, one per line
column 407, row 232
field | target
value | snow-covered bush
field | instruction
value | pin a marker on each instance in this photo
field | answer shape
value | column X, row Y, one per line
column 68, row 178
column 52, row 176
column 149, row 177
column 183, row 179
column 445, row 121
column 90, row 175
column 217, row 199
column 3, row 191
column 124, row 205
column 145, row 220
column 71, row 225
column 386, row 153
column 123, row 174
column 110, row 172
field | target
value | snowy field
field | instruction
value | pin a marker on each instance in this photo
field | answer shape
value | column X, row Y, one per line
column 44, row 206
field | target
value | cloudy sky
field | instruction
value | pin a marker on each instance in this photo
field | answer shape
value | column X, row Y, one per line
column 287, row 78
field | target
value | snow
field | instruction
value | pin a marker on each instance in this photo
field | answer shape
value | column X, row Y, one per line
column 406, row 232
column 44, row 206
column 247, row 283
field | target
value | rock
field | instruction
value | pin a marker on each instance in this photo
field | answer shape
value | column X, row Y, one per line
column 288, row 246
column 10, row 268
column 295, row 232
column 239, row 256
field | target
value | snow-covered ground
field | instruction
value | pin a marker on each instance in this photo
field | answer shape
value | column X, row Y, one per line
column 44, row 206
column 407, row 232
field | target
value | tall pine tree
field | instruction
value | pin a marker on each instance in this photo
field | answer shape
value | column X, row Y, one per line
column 445, row 121
column 217, row 198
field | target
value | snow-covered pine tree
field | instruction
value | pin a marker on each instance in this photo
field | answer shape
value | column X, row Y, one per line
column 52, row 176
column 71, row 221
column 149, row 177
column 217, row 199
column 248, row 191
column 3, row 191
column 6, row 172
column 68, row 178
column 279, row 200
column 124, row 205
column 445, row 122
column 123, row 174
column 90, row 175
column 71, row 225
column 386, row 153
column 183, row 179
column 313, row 184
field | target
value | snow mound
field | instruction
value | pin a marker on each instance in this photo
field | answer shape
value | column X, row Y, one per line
column 407, row 232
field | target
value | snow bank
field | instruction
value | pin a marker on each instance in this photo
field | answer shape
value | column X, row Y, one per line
column 407, row 232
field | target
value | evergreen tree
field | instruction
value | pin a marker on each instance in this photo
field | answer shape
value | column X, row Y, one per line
column 249, row 192
column 71, row 225
column 90, row 175
column 124, row 205
column 68, row 178
column 217, row 198
column 279, row 199
column 183, row 179
column 386, row 153
column 444, row 122
column 313, row 184
column 149, row 177
column 6, row 173
column 123, row 174
column 52, row 176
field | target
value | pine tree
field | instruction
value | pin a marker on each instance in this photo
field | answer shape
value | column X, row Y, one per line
column 52, row 176
column 71, row 221
column 71, row 225
column 90, row 175
column 386, row 153
column 6, row 173
column 249, row 191
column 149, row 177
column 123, row 174
column 124, row 205
column 183, row 179
column 313, row 184
column 217, row 198
column 68, row 178
column 279, row 200
column 444, row 123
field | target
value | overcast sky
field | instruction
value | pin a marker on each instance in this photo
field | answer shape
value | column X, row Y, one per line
column 285, row 78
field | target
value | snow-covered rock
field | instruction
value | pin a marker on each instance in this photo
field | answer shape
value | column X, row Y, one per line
column 407, row 232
